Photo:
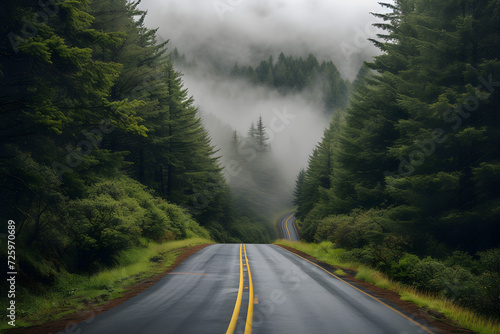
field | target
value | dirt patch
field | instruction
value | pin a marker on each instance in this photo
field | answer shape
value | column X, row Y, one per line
column 433, row 318
column 91, row 310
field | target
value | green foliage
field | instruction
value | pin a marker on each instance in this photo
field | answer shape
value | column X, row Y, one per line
column 101, row 147
column 113, row 215
column 418, row 141
column 454, row 283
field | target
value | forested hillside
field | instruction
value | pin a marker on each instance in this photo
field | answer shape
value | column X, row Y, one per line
column 101, row 147
column 412, row 168
column 291, row 75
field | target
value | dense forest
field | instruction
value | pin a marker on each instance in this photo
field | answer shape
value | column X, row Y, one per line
column 407, row 178
column 253, row 169
column 101, row 146
column 321, row 82
column 103, row 149
column 291, row 75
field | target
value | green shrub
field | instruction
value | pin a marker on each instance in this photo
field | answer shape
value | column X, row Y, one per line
column 459, row 285
column 463, row 259
column 355, row 230
column 454, row 283
column 403, row 270
column 489, row 262
column 427, row 273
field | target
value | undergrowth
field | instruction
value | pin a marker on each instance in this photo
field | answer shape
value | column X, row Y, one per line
column 464, row 317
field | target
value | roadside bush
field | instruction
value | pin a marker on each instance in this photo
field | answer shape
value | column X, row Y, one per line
column 489, row 262
column 355, row 230
column 114, row 216
column 459, row 285
column 359, row 255
column 98, row 230
column 464, row 260
column 454, row 283
column 404, row 269
column 427, row 273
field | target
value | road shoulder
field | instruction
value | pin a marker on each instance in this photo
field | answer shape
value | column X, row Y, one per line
column 433, row 318
column 94, row 309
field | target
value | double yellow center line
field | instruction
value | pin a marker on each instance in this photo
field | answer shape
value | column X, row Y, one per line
column 237, row 307
column 287, row 230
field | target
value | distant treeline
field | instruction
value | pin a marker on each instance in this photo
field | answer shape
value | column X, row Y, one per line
column 101, row 147
column 289, row 74
column 413, row 165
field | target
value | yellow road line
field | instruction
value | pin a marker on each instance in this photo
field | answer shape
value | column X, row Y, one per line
column 401, row 314
column 248, row 325
column 286, row 224
column 236, row 312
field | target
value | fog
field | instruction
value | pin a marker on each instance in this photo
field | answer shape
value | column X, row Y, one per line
column 219, row 33
column 248, row 31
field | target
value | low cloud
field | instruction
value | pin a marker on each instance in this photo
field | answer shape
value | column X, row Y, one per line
column 221, row 32
column 294, row 123
column 248, row 31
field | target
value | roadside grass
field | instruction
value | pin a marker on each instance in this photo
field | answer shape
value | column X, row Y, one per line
column 323, row 252
column 466, row 318
column 75, row 293
column 339, row 272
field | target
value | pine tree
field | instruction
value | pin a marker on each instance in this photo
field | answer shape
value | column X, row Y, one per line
column 260, row 136
column 409, row 142
column 252, row 132
column 298, row 192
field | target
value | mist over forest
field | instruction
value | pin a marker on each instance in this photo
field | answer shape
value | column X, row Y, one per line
column 128, row 124
column 294, row 124
column 220, row 33
column 211, row 38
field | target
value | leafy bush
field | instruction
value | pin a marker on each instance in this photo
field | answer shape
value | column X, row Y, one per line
column 454, row 283
column 352, row 231
column 490, row 281
column 403, row 270
column 114, row 216
column 460, row 278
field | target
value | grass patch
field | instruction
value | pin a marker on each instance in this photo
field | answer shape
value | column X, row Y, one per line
column 339, row 272
column 462, row 316
column 323, row 252
column 74, row 293
column 376, row 278
column 468, row 319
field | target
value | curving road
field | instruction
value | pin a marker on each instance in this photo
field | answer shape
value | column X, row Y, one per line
column 288, row 228
column 210, row 293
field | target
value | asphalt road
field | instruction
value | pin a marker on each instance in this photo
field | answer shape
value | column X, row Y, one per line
column 288, row 228
column 290, row 296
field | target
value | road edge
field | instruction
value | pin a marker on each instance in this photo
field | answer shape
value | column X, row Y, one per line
column 434, row 319
column 94, row 309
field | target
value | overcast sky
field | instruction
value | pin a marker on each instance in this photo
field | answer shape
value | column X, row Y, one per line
column 248, row 31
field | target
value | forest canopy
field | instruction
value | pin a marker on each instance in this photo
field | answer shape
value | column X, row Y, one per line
column 412, row 165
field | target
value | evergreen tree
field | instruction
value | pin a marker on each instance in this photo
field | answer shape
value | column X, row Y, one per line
column 289, row 74
column 410, row 141
column 298, row 192
column 260, row 136
column 252, row 132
